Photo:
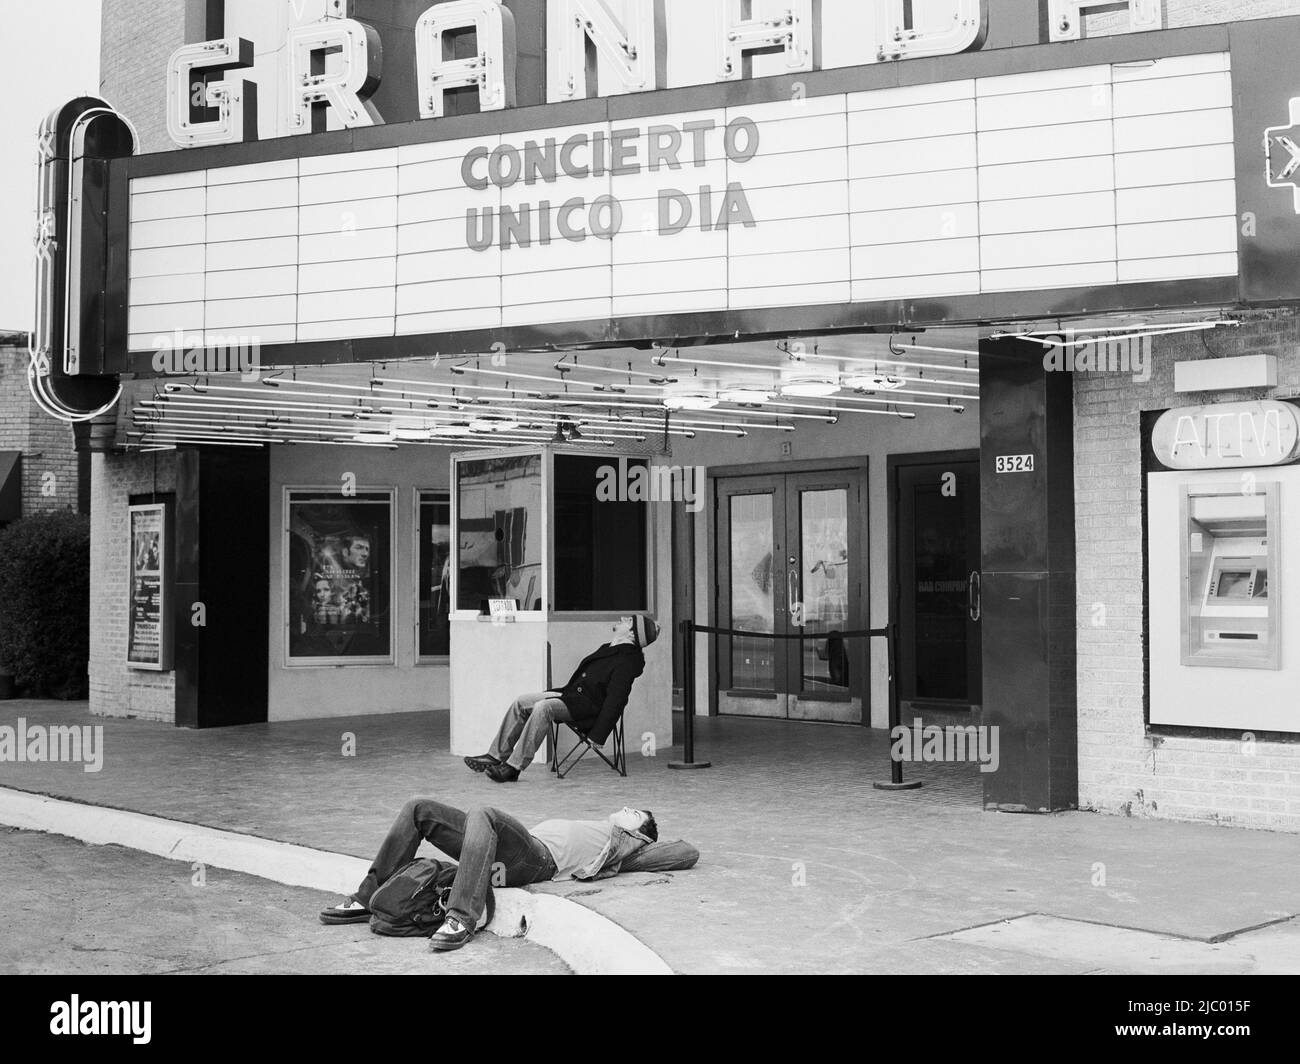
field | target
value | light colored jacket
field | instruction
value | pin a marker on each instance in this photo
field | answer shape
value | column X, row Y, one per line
column 621, row 845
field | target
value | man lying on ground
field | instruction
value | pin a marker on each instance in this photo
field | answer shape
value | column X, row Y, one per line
column 598, row 687
column 484, row 838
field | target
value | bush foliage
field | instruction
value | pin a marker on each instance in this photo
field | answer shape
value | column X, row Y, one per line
column 45, row 604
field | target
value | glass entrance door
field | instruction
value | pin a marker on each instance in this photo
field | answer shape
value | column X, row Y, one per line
column 789, row 563
column 937, row 563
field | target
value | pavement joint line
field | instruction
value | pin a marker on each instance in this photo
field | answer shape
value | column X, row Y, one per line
column 1210, row 940
column 586, row 941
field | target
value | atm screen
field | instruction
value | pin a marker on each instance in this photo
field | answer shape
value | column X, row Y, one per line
column 1234, row 583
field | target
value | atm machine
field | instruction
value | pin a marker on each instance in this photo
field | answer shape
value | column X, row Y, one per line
column 1229, row 545
column 1224, row 598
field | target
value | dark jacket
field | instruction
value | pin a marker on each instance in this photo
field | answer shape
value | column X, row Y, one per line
column 597, row 691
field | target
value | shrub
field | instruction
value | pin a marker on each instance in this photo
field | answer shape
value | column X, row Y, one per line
column 45, row 603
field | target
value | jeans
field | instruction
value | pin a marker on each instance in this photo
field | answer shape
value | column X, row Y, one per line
column 527, row 723
column 480, row 839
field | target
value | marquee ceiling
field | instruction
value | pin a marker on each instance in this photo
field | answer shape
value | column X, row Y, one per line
column 617, row 397
column 596, row 398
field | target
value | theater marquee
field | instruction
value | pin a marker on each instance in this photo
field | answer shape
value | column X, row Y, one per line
column 1095, row 175
column 1121, row 174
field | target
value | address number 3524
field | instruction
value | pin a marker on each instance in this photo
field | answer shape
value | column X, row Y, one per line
column 1014, row 463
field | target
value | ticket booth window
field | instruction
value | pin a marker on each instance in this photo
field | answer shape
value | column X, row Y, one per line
column 499, row 531
column 601, row 533
column 554, row 531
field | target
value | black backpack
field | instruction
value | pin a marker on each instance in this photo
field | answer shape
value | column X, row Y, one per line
column 412, row 902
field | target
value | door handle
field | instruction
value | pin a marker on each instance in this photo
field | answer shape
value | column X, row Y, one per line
column 973, row 595
column 792, row 597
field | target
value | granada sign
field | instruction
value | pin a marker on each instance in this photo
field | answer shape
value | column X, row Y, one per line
column 316, row 66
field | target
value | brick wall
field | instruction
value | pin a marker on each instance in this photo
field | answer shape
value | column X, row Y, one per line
column 49, row 460
column 115, row 690
column 1100, row 22
column 137, row 39
column 1121, row 768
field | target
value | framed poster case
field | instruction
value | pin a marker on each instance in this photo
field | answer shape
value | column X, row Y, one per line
column 149, row 609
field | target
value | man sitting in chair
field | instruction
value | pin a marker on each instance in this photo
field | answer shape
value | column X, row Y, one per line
column 597, row 689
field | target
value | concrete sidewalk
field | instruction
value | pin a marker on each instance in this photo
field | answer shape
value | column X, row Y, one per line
column 804, row 867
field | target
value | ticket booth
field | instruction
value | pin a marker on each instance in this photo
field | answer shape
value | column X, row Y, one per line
column 550, row 548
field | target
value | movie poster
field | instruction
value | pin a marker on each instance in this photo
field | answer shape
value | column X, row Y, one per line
column 339, row 576
column 435, row 575
column 146, row 627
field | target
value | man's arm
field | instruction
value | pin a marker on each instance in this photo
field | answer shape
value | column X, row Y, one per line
column 616, row 694
column 620, row 685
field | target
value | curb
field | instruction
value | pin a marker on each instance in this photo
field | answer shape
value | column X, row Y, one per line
column 587, row 942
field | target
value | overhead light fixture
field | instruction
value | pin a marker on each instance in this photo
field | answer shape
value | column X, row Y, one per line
column 747, row 395
column 374, row 436
column 412, row 429
column 493, row 423
column 874, row 382
column 810, row 387
column 1091, row 335
column 690, row 400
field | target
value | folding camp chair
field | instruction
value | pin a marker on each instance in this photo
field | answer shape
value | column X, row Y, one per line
column 589, row 736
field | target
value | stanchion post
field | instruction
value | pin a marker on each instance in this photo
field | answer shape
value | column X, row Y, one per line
column 688, row 699
column 895, row 766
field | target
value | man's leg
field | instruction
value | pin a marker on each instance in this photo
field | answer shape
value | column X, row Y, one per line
column 536, row 729
column 514, row 722
column 420, row 819
column 493, row 838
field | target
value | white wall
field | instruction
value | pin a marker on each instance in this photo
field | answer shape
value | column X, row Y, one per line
column 301, row 691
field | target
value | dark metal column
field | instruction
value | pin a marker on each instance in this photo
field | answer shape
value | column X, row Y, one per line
column 223, row 517
column 1028, row 618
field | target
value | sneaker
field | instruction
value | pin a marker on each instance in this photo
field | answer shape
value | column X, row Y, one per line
column 451, row 935
column 503, row 773
column 481, row 762
column 348, row 911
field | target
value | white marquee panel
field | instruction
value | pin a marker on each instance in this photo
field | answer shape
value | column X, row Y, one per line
column 244, row 284
column 152, row 262
column 1057, row 178
column 253, row 225
column 424, row 266
column 449, row 320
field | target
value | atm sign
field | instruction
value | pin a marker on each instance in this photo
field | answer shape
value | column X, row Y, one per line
column 1227, row 435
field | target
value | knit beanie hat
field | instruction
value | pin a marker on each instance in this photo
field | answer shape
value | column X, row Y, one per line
column 644, row 630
